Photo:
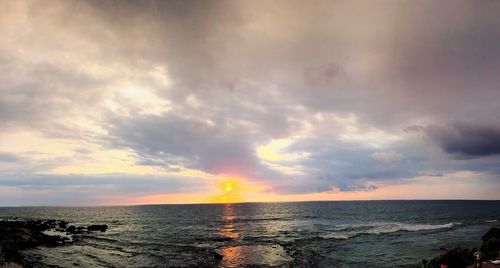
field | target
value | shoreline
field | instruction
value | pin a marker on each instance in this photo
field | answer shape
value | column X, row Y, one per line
column 18, row 235
column 464, row 256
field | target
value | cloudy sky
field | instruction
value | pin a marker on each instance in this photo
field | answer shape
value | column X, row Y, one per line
column 131, row 102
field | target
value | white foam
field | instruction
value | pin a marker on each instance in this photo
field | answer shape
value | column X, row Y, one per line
column 53, row 232
column 335, row 235
column 348, row 231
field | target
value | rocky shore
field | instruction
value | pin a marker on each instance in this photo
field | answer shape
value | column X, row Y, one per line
column 462, row 257
column 18, row 235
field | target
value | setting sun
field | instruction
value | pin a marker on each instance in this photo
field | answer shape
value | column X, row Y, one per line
column 229, row 187
column 249, row 133
column 230, row 184
column 230, row 194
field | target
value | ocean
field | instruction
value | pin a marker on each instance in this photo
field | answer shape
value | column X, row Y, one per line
column 307, row 234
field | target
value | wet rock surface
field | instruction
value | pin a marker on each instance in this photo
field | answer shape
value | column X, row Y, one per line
column 464, row 256
column 17, row 235
column 100, row 228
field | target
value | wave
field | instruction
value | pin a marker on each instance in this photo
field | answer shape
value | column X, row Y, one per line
column 348, row 231
column 54, row 232
column 490, row 221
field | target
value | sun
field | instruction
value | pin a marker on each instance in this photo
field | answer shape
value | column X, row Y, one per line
column 228, row 186
column 235, row 190
column 230, row 191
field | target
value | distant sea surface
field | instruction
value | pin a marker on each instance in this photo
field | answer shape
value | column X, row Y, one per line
column 323, row 234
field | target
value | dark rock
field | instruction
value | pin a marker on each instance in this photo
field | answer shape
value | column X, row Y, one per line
column 20, row 235
column 217, row 257
column 71, row 229
column 16, row 235
column 222, row 239
column 50, row 223
column 75, row 230
column 458, row 257
column 97, row 227
column 491, row 243
column 461, row 257
column 62, row 224
column 492, row 233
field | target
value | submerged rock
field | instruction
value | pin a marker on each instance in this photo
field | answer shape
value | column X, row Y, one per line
column 74, row 230
column 252, row 256
column 217, row 257
column 97, row 227
column 16, row 235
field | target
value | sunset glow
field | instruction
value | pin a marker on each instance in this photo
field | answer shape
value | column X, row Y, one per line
column 249, row 133
column 245, row 101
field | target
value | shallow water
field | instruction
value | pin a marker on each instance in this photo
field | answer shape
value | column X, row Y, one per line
column 324, row 234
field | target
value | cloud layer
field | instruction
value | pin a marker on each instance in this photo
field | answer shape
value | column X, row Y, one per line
column 305, row 98
column 467, row 139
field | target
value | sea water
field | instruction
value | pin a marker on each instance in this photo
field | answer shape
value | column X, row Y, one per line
column 321, row 234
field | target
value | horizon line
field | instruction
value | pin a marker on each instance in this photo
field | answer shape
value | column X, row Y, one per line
column 244, row 202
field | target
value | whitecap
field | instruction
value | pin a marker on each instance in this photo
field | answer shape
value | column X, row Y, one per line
column 335, row 235
column 348, row 231
column 53, row 232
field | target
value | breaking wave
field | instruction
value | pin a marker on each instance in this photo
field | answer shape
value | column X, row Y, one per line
column 349, row 231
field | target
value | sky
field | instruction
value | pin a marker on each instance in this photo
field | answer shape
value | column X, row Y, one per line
column 137, row 102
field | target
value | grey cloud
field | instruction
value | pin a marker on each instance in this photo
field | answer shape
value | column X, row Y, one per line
column 116, row 183
column 467, row 140
column 213, row 42
column 171, row 139
column 49, row 94
column 414, row 51
column 8, row 157
column 258, row 71
column 347, row 167
column 389, row 156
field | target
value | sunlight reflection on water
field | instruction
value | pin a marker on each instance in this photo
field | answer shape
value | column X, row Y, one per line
column 229, row 230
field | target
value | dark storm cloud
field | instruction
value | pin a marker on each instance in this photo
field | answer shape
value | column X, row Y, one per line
column 467, row 140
